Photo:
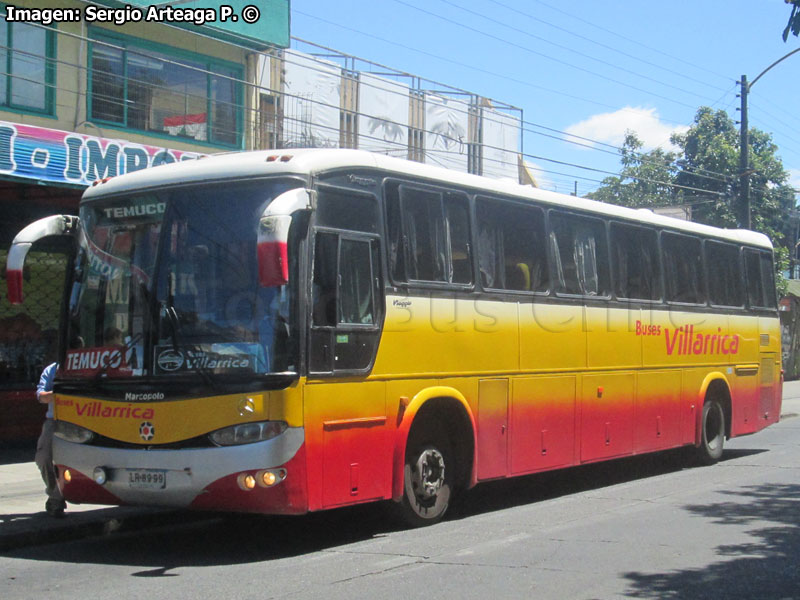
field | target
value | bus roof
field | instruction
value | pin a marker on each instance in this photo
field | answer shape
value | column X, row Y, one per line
column 305, row 162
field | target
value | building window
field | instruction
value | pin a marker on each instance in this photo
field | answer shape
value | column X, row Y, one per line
column 137, row 87
column 28, row 66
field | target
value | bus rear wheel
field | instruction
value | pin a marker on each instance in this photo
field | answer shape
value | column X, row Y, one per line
column 712, row 437
column 427, row 480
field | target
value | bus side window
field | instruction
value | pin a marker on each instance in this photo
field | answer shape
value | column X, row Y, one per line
column 345, row 302
column 760, row 279
column 511, row 246
column 339, row 208
column 724, row 274
column 683, row 268
column 580, row 255
column 428, row 235
column 768, row 280
column 457, row 220
column 356, row 302
column 634, row 253
column 326, row 253
column 424, row 235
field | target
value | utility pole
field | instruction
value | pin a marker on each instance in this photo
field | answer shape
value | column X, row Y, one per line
column 744, row 158
column 744, row 143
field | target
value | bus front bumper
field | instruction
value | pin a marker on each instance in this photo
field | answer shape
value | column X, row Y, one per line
column 202, row 478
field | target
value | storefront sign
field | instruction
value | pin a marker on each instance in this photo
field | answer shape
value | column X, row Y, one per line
column 50, row 155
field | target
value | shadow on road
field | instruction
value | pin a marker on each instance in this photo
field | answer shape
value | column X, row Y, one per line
column 12, row 453
column 241, row 539
column 764, row 568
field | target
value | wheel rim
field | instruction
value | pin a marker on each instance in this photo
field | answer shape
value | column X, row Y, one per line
column 713, row 429
column 427, row 476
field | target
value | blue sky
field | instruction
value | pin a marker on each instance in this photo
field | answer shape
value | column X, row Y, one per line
column 586, row 67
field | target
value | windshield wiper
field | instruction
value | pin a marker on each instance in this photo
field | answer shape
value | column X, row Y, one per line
column 188, row 351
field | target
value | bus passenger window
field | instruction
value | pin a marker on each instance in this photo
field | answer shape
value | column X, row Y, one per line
column 428, row 235
column 511, row 247
column 724, row 274
column 768, row 281
column 457, row 219
column 760, row 279
column 346, row 209
column 345, row 302
column 683, row 268
column 634, row 252
column 324, row 289
column 580, row 254
column 424, row 234
column 355, row 284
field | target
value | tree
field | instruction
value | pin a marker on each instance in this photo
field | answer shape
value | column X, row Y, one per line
column 793, row 25
column 645, row 180
column 710, row 161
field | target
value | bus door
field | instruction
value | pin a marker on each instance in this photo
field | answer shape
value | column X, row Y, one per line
column 348, row 444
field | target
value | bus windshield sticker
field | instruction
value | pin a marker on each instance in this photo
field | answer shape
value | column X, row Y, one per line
column 111, row 360
column 217, row 357
column 142, row 208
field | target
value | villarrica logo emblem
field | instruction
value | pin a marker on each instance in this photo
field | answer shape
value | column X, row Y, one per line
column 147, row 431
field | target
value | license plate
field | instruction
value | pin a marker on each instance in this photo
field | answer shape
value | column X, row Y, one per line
column 150, row 479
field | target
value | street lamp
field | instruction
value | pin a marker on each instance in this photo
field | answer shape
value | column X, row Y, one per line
column 744, row 158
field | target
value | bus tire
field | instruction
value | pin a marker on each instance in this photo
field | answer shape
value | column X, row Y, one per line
column 712, row 433
column 427, row 479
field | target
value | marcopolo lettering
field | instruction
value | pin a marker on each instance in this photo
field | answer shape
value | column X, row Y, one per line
column 143, row 396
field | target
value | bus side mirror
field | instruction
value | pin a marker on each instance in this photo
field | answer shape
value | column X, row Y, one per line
column 273, row 253
column 15, row 262
column 273, row 236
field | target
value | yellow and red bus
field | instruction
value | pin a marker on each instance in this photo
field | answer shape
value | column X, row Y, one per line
column 292, row 331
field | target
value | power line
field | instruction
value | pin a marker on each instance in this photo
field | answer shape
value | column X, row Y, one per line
column 602, row 45
column 567, row 48
column 543, row 55
column 238, row 80
column 632, row 41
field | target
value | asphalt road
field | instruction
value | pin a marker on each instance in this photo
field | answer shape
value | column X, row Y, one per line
column 648, row 527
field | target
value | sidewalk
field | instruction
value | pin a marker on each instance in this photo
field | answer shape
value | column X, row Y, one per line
column 23, row 521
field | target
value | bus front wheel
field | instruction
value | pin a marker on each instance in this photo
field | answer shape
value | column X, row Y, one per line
column 712, row 436
column 427, row 480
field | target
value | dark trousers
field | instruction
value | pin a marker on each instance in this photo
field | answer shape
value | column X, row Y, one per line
column 44, row 460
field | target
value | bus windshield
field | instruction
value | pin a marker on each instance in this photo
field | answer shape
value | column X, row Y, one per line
column 166, row 283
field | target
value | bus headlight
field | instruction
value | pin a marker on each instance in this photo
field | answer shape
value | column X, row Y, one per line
column 72, row 433
column 247, row 433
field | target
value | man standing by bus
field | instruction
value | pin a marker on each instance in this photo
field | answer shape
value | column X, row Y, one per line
column 55, row 504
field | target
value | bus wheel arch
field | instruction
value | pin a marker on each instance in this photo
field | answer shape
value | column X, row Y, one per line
column 435, row 433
